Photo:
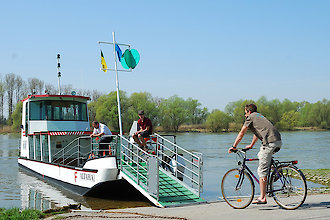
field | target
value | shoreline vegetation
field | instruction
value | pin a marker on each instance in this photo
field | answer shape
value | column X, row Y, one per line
column 172, row 114
column 321, row 176
column 6, row 129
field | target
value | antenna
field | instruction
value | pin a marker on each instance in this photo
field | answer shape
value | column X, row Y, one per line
column 59, row 73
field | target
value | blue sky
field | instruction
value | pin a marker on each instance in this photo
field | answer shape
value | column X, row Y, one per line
column 213, row 51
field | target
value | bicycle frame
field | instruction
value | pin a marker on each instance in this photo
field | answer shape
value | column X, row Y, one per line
column 273, row 164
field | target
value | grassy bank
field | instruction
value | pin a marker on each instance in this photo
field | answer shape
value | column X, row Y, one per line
column 321, row 176
column 15, row 213
column 5, row 129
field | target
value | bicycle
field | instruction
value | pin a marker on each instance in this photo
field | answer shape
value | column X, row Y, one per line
column 285, row 183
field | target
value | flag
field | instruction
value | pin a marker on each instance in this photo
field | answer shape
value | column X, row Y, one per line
column 119, row 53
column 104, row 65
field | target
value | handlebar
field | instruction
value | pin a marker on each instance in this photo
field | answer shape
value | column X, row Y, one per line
column 235, row 150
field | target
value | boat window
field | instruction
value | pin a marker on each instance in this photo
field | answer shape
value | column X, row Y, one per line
column 31, row 147
column 45, row 148
column 58, row 111
column 38, row 147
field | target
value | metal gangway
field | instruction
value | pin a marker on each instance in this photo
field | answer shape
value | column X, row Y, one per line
column 167, row 175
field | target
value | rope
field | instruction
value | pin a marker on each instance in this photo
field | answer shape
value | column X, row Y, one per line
column 135, row 216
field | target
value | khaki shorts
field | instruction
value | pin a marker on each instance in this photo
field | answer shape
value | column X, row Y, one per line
column 265, row 156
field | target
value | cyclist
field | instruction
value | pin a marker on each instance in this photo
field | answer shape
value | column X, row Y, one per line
column 271, row 143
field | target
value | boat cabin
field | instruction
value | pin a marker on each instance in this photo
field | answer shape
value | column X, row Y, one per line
column 51, row 122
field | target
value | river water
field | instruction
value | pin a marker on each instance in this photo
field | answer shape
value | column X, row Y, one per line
column 23, row 190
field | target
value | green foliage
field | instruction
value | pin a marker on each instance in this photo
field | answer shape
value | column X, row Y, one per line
column 173, row 113
column 218, row 121
column 196, row 114
column 15, row 213
column 176, row 111
column 142, row 101
column 236, row 110
column 289, row 120
column 285, row 115
column 106, row 110
column 17, row 117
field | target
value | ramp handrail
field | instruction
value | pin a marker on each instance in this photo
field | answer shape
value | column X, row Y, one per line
column 137, row 164
column 184, row 164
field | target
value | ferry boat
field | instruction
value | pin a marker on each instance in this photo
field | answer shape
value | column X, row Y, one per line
column 55, row 143
column 57, row 147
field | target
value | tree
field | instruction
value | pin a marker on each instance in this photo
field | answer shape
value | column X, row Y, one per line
column 173, row 113
column 2, row 97
column 19, row 88
column 10, row 87
column 142, row 101
column 17, row 117
column 320, row 114
column 95, row 95
column 35, row 86
column 236, row 110
column 50, row 89
column 66, row 89
column 218, row 121
column 289, row 120
column 196, row 115
column 106, row 110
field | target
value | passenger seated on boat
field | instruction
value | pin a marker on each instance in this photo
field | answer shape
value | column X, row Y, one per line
column 103, row 132
column 144, row 132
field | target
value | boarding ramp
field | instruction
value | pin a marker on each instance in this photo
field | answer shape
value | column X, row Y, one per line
column 167, row 175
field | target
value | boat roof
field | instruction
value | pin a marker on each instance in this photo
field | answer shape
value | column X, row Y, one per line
column 55, row 97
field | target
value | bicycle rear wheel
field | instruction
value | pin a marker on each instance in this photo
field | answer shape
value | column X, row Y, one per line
column 288, row 186
column 237, row 188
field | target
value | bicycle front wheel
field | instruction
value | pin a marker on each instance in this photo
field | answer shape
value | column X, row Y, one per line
column 289, row 188
column 237, row 188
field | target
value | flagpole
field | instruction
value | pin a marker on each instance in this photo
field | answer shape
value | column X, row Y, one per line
column 117, row 85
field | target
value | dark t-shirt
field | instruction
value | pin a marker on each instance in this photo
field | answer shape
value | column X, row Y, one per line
column 262, row 128
column 146, row 122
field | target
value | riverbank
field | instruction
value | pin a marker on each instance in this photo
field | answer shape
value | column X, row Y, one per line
column 200, row 128
column 6, row 129
column 321, row 176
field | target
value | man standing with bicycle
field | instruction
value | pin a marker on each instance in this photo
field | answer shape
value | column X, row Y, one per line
column 264, row 130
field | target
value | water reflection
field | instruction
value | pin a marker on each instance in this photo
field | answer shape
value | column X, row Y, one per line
column 40, row 195
column 36, row 194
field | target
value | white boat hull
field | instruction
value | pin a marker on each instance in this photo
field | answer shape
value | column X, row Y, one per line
column 78, row 180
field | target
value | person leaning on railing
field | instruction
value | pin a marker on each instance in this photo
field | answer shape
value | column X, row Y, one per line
column 103, row 132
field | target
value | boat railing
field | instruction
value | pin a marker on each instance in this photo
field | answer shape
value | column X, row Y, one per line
column 83, row 148
column 182, row 164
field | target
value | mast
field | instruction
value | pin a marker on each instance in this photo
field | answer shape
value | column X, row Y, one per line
column 59, row 73
column 117, row 84
column 117, row 79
